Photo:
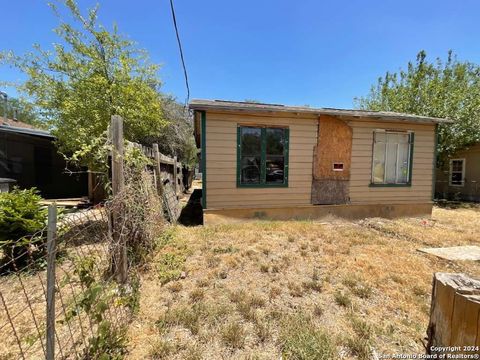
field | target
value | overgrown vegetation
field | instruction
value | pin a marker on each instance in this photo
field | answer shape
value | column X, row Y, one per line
column 92, row 73
column 445, row 89
column 22, row 218
column 24, row 111
column 337, row 290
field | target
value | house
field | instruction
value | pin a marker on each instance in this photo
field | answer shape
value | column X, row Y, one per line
column 282, row 162
column 29, row 158
column 459, row 176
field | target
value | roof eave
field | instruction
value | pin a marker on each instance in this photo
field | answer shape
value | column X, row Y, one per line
column 198, row 106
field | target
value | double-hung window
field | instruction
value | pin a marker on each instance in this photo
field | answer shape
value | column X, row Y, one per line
column 392, row 158
column 262, row 156
column 457, row 172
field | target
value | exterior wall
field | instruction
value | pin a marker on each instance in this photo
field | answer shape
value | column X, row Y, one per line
column 221, row 161
column 471, row 189
column 33, row 161
column 361, row 169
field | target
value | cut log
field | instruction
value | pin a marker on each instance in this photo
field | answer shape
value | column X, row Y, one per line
column 454, row 314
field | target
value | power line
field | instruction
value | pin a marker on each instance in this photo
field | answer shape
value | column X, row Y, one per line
column 181, row 50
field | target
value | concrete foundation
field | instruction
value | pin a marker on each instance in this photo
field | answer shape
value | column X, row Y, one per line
column 317, row 212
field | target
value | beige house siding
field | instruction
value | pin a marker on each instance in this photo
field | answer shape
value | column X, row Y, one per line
column 221, row 161
column 421, row 189
column 471, row 188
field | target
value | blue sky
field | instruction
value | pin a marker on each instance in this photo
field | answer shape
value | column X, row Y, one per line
column 321, row 53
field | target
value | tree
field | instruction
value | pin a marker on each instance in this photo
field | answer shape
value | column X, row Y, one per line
column 90, row 76
column 177, row 137
column 24, row 110
column 449, row 89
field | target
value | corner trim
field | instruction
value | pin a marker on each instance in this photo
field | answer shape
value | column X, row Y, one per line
column 204, row 158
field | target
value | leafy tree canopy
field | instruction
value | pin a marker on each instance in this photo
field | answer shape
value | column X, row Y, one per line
column 24, row 110
column 177, row 138
column 90, row 75
column 446, row 89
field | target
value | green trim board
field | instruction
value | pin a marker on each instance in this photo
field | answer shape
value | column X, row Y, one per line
column 263, row 157
column 204, row 157
column 410, row 165
column 390, row 185
column 435, row 162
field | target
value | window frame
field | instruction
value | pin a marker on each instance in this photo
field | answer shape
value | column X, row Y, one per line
column 263, row 158
column 450, row 172
column 411, row 142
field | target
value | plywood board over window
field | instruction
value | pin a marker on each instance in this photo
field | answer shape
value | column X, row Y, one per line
column 331, row 168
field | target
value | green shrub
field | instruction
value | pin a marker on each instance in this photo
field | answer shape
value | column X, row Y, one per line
column 21, row 218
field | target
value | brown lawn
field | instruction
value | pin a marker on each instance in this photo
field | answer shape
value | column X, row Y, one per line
column 307, row 290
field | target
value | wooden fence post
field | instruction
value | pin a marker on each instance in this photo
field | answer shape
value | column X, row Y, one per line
column 158, row 170
column 118, row 186
column 51, row 252
column 175, row 175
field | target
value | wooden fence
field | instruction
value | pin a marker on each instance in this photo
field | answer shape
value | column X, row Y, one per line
column 166, row 170
column 164, row 165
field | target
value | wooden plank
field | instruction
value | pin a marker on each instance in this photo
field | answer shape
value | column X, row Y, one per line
column 157, row 170
column 175, row 176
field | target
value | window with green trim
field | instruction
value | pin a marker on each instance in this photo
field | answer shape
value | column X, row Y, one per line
column 262, row 156
column 392, row 158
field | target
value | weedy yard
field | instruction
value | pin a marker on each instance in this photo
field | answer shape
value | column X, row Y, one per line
column 304, row 290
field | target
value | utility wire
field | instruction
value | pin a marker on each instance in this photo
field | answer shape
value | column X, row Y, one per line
column 181, row 52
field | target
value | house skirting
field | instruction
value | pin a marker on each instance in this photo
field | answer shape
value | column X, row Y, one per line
column 317, row 212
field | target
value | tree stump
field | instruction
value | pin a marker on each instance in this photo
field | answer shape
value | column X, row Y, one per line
column 454, row 314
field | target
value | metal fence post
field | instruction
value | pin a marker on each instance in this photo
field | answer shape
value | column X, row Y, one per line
column 51, row 252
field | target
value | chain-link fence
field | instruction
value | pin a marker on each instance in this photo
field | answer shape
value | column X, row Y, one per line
column 69, row 290
column 89, row 310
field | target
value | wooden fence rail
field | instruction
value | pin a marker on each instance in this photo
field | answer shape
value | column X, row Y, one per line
column 166, row 166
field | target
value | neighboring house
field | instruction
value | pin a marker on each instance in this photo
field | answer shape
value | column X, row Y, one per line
column 28, row 156
column 281, row 162
column 459, row 177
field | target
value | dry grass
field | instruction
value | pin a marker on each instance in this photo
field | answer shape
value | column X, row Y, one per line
column 301, row 289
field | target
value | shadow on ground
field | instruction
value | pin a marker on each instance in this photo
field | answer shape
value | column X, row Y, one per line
column 192, row 214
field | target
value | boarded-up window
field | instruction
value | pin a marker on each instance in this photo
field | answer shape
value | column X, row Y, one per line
column 392, row 157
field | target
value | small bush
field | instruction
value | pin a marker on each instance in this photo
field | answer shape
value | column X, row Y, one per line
column 299, row 339
column 360, row 344
column 21, row 218
column 224, row 250
column 162, row 349
column 233, row 335
column 342, row 299
column 197, row 295
column 313, row 285
column 295, row 289
column 170, row 267
column 262, row 330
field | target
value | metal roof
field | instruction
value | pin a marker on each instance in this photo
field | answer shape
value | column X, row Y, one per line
column 223, row 105
column 25, row 131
